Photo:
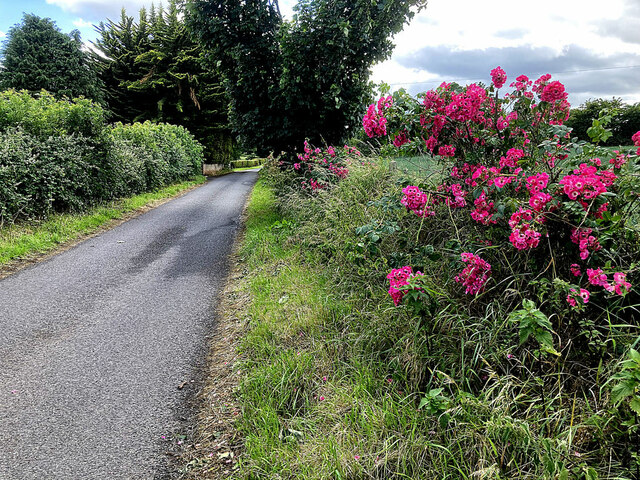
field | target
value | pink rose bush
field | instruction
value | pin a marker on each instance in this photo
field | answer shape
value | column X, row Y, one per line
column 475, row 274
column 374, row 122
column 498, row 77
column 417, row 201
column 510, row 167
column 399, row 282
column 320, row 168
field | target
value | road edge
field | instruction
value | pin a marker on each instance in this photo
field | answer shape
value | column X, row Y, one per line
column 14, row 266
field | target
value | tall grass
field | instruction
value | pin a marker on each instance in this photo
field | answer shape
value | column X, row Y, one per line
column 341, row 384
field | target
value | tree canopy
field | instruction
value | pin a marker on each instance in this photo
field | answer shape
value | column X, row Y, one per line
column 36, row 55
column 624, row 122
column 152, row 69
column 304, row 78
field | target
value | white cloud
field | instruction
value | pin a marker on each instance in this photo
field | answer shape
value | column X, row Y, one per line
column 463, row 40
column 100, row 10
column 2, row 34
column 80, row 23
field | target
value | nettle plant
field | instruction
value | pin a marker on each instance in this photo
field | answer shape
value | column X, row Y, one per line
column 532, row 208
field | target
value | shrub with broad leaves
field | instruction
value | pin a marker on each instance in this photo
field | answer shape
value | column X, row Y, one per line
column 61, row 155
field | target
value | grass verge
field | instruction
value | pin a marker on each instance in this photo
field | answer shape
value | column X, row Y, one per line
column 25, row 242
column 213, row 448
column 325, row 379
column 304, row 403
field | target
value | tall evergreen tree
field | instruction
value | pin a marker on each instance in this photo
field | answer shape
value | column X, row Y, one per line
column 153, row 70
column 118, row 46
column 36, row 55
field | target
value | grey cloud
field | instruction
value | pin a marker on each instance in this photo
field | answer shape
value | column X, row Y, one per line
column 474, row 65
column 529, row 60
column 627, row 28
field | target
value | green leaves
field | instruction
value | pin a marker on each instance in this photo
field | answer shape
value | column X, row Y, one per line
column 37, row 56
column 153, row 70
column 533, row 323
column 628, row 382
column 598, row 132
column 622, row 122
column 59, row 155
column 303, row 79
column 434, row 402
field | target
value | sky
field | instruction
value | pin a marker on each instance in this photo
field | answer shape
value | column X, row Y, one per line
column 593, row 47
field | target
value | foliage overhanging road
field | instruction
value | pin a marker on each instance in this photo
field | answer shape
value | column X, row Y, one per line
column 95, row 342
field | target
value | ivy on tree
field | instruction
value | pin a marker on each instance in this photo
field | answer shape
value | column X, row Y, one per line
column 304, row 78
column 36, row 55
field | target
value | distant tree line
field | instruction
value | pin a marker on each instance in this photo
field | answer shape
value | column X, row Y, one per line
column 213, row 65
column 624, row 123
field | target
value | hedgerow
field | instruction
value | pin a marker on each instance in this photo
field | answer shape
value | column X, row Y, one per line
column 492, row 306
column 61, row 155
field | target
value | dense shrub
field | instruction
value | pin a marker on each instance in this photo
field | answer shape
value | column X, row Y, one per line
column 623, row 119
column 59, row 155
column 171, row 153
column 514, row 274
column 521, row 190
column 39, row 176
column 41, row 115
column 256, row 162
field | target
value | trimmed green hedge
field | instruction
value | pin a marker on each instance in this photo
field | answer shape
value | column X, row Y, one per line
column 256, row 162
column 61, row 155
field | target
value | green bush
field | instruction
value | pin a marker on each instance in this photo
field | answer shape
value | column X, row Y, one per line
column 454, row 375
column 61, row 155
column 42, row 115
column 41, row 175
column 256, row 162
column 624, row 121
column 169, row 153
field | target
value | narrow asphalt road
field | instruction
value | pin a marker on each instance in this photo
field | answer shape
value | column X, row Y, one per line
column 95, row 342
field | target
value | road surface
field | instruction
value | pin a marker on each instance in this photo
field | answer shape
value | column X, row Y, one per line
column 95, row 341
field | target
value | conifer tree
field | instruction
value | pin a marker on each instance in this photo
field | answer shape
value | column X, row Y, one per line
column 153, row 70
column 119, row 45
column 37, row 55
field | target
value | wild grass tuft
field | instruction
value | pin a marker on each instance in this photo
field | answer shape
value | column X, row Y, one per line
column 340, row 384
